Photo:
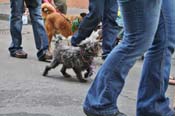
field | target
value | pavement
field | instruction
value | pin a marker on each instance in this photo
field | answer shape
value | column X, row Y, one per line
column 25, row 92
column 5, row 10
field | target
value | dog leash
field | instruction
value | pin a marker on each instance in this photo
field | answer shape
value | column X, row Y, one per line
column 58, row 11
column 74, row 23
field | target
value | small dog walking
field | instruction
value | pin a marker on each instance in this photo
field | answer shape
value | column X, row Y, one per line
column 78, row 58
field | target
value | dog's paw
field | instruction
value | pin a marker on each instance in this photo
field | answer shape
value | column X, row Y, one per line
column 83, row 80
column 46, row 71
column 67, row 75
column 87, row 75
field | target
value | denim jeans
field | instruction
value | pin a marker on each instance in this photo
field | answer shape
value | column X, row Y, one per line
column 99, row 10
column 143, row 19
column 157, row 66
column 17, row 9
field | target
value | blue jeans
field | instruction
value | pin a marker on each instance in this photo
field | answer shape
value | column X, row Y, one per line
column 99, row 10
column 17, row 9
column 143, row 19
column 157, row 64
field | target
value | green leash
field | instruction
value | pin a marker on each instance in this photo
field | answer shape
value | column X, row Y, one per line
column 75, row 24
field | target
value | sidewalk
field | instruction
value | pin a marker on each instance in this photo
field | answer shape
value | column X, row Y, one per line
column 5, row 10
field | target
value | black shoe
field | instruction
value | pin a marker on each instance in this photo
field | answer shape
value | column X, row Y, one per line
column 19, row 54
column 46, row 57
column 117, row 114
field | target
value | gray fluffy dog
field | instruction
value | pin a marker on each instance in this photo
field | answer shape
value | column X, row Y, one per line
column 78, row 58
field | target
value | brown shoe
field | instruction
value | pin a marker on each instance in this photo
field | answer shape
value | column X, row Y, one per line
column 46, row 57
column 19, row 54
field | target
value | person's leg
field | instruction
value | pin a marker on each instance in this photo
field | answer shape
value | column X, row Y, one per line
column 90, row 21
column 109, row 27
column 139, row 28
column 40, row 35
column 157, row 63
column 17, row 7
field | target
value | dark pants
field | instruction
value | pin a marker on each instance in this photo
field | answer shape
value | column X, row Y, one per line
column 99, row 10
column 41, row 40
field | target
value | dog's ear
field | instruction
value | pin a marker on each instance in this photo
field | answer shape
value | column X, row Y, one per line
column 83, row 14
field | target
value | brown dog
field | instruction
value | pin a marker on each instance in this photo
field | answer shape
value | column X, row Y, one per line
column 58, row 23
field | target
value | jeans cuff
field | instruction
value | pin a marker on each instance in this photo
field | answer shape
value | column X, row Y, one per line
column 13, row 50
column 41, row 54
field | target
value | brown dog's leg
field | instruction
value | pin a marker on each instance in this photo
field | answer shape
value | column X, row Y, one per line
column 50, row 32
column 79, row 75
column 63, row 71
column 50, row 35
column 53, row 64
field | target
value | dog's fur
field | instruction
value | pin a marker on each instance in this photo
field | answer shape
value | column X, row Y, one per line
column 58, row 23
column 78, row 58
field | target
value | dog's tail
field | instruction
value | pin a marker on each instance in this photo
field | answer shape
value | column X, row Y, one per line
column 47, row 9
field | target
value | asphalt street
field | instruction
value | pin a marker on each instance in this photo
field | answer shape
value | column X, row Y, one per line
column 25, row 92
